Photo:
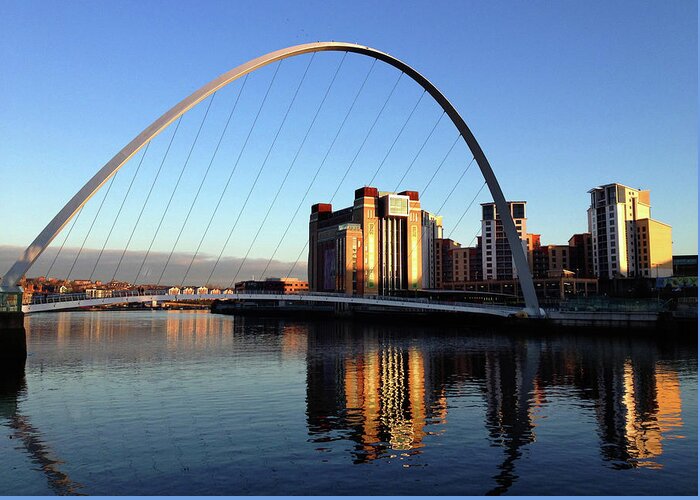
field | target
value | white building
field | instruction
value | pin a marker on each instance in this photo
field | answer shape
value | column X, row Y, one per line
column 97, row 293
column 626, row 241
column 431, row 231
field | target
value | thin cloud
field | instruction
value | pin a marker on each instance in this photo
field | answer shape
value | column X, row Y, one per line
column 225, row 270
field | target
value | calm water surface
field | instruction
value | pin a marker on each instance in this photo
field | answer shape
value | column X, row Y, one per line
column 195, row 403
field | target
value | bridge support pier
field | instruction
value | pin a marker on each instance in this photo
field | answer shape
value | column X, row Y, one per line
column 13, row 338
column 13, row 341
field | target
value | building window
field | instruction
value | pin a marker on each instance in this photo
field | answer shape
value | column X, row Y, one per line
column 519, row 211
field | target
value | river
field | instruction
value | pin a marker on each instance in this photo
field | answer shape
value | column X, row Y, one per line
column 156, row 402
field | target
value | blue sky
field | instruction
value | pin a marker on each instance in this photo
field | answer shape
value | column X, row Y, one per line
column 562, row 96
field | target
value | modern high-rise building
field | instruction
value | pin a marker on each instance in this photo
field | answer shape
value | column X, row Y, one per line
column 373, row 247
column 431, row 232
column 626, row 241
column 497, row 258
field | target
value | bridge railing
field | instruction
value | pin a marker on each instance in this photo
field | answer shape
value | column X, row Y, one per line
column 75, row 297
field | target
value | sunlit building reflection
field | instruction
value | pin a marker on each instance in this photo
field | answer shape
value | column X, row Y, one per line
column 387, row 394
column 376, row 393
column 647, row 426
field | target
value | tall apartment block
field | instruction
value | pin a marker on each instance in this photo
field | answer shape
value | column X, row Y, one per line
column 373, row 247
column 497, row 259
column 431, row 233
column 626, row 241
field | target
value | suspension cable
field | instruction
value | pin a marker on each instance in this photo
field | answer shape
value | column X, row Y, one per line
column 296, row 261
column 99, row 209
column 64, row 240
column 296, row 155
column 441, row 206
column 440, row 165
column 467, row 209
column 419, row 151
column 323, row 162
column 148, row 196
column 262, row 104
column 475, row 236
column 369, row 131
column 284, row 180
column 353, row 162
column 221, row 196
column 444, row 158
column 455, row 186
column 391, row 148
column 357, row 154
column 114, row 222
column 177, row 184
column 199, row 189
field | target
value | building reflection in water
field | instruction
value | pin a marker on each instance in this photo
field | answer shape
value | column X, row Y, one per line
column 386, row 391
column 373, row 393
column 647, row 427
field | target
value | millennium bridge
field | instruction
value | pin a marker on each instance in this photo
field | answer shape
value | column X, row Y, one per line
column 104, row 179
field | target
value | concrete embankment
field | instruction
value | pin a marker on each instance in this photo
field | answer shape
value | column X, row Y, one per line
column 605, row 319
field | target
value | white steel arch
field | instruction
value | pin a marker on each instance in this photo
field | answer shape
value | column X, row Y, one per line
column 42, row 241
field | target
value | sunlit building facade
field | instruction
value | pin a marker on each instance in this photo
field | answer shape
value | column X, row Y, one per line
column 626, row 241
column 373, row 247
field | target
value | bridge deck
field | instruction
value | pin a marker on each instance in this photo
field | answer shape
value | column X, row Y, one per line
column 72, row 301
